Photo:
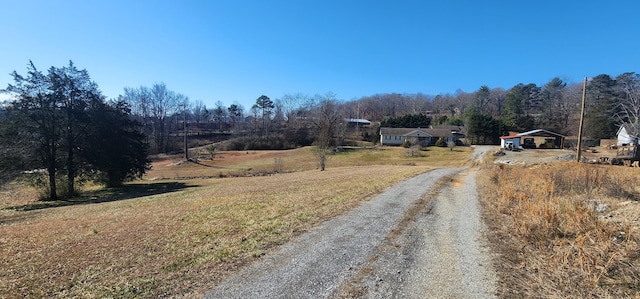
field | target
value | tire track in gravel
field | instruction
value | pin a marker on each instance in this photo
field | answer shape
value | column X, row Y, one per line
column 441, row 253
column 456, row 229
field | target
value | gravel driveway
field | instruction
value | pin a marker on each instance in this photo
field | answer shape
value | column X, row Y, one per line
column 441, row 254
column 377, row 251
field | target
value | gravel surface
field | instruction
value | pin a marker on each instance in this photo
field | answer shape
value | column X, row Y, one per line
column 441, row 254
column 377, row 251
column 479, row 151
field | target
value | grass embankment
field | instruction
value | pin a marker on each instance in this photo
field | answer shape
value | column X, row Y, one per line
column 556, row 233
column 178, row 238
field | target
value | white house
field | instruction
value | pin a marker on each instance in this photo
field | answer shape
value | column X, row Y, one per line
column 429, row 136
column 627, row 135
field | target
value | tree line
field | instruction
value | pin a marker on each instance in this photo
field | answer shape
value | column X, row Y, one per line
column 288, row 122
column 59, row 121
column 487, row 113
column 58, row 125
column 490, row 113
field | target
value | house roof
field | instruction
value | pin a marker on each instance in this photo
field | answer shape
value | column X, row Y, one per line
column 628, row 128
column 460, row 129
column 540, row 132
column 395, row 131
column 416, row 132
column 510, row 137
column 359, row 121
column 444, row 132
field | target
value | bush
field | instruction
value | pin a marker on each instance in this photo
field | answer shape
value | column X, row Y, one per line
column 413, row 151
column 366, row 136
column 298, row 137
column 277, row 142
column 40, row 181
column 441, row 142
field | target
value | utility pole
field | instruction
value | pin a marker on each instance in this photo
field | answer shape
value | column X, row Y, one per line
column 584, row 94
column 358, row 118
column 186, row 146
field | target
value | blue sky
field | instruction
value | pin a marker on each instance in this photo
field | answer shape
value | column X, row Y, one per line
column 235, row 51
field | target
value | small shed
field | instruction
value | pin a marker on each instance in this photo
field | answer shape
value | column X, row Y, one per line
column 514, row 140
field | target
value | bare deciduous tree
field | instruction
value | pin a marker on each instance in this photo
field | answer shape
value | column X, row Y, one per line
column 628, row 110
column 219, row 114
column 328, row 123
column 155, row 105
column 200, row 112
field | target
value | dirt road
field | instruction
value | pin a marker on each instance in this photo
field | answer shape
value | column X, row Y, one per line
column 419, row 239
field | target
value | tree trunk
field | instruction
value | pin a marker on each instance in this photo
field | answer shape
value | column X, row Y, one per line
column 51, row 170
column 323, row 159
column 52, row 186
column 71, row 172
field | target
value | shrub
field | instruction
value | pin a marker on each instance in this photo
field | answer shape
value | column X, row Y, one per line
column 413, row 151
column 278, row 142
column 40, row 181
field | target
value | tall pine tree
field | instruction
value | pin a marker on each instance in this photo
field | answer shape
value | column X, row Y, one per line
column 58, row 115
column 601, row 111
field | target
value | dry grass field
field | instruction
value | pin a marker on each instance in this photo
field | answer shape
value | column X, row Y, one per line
column 561, row 229
column 186, row 226
column 255, row 163
column 564, row 230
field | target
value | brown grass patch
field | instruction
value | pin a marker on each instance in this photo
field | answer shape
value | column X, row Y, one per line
column 148, row 241
column 458, row 181
column 554, row 230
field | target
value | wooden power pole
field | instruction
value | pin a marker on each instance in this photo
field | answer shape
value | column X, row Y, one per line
column 584, row 94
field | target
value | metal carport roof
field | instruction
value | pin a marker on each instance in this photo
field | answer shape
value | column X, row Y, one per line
column 540, row 132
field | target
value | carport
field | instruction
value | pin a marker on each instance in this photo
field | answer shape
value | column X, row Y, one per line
column 542, row 138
